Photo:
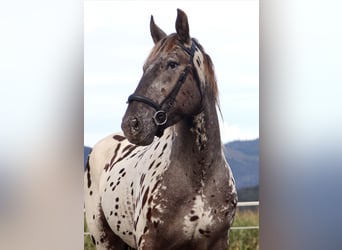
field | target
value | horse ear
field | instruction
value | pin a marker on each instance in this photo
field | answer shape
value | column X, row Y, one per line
column 182, row 26
column 156, row 33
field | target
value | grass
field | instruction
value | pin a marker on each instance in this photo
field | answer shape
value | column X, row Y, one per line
column 247, row 239
column 238, row 239
column 88, row 244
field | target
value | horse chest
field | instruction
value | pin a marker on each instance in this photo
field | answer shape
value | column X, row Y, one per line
column 198, row 221
column 198, row 215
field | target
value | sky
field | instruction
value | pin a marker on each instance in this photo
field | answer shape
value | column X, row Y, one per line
column 117, row 42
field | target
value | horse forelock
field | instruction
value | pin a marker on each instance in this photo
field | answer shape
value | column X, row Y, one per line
column 167, row 44
column 163, row 47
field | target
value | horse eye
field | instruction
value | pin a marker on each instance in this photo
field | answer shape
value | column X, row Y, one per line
column 172, row 65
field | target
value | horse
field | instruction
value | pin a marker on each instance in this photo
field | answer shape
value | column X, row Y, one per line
column 164, row 182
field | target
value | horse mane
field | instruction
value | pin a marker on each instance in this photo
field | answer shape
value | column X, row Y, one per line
column 166, row 44
column 210, row 77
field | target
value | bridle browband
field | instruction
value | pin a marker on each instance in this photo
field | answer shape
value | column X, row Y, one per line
column 160, row 117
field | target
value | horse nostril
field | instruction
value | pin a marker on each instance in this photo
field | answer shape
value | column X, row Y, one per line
column 134, row 123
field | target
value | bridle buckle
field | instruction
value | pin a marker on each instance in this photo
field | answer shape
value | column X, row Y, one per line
column 160, row 118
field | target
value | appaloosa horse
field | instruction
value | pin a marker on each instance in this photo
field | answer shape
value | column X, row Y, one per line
column 172, row 192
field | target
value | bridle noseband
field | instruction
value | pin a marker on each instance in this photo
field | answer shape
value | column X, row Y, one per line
column 160, row 117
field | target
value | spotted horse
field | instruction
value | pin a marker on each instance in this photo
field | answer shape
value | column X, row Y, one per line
column 164, row 183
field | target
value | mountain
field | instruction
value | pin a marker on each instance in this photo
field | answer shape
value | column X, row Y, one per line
column 248, row 194
column 85, row 156
column 243, row 158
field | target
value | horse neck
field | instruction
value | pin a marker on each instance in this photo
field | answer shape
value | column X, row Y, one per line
column 199, row 138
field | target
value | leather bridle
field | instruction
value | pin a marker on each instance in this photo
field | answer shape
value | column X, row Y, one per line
column 160, row 117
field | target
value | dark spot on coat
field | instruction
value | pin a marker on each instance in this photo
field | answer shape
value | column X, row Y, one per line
column 88, row 174
column 140, row 239
column 119, row 137
column 114, row 156
column 145, row 197
column 133, row 155
column 198, row 62
column 93, row 239
column 136, row 222
column 151, row 165
column 129, row 146
column 149, row 214
column 106, row 167
column 193, row 218
column 155, row 186
column 142, row 178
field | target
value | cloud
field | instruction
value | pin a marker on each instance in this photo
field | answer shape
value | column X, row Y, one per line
column 234, row 132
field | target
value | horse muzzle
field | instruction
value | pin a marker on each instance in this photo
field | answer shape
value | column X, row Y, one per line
column 138, row 130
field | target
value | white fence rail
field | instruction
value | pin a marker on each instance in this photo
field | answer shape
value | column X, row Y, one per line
column 247, row 204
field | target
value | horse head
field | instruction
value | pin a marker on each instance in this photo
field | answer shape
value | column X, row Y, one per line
column 171, row 86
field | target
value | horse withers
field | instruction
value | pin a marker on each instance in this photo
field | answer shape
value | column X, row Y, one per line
column 164, row 182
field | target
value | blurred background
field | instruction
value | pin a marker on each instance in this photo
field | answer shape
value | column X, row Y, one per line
column 41, row 127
